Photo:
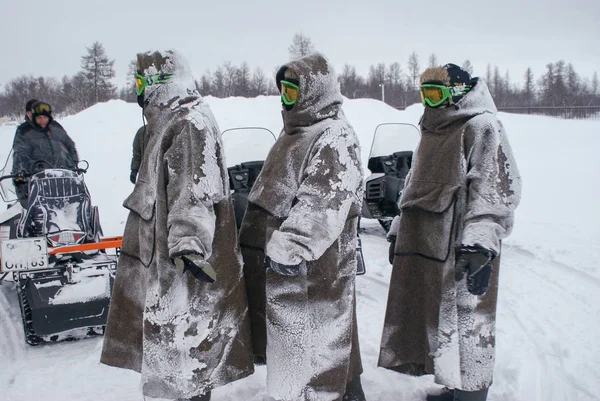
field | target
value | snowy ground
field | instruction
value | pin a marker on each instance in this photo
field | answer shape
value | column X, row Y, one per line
column 549, row 304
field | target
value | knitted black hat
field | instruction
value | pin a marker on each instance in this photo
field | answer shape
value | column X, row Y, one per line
column 29, row 104
column 457, row 75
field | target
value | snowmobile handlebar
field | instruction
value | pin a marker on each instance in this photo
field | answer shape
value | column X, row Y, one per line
column 23, row 175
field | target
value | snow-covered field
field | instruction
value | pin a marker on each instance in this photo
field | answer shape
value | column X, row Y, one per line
column 548, row 329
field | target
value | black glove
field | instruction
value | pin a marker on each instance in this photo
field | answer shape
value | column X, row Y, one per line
column 392, row 250
column 477, row 263
column 133, row 176
column 285, row 270
column 197, row 266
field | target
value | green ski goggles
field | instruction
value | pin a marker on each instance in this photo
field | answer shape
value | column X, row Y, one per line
column 433, row 95
column 289, row 92
column 142, row 81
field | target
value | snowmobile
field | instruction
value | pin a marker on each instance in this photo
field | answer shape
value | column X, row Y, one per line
column 244, row 167
column 390, row 160
column 53, row 251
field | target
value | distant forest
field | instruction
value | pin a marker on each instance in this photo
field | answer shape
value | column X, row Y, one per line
column 395, row 84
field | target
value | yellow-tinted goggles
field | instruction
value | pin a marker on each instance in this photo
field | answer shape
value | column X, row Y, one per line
column 41, row 108
column 289, row 92
column 142, row 81
column 433, row 95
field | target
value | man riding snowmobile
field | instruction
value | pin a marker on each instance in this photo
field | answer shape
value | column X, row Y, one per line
column 39, row 145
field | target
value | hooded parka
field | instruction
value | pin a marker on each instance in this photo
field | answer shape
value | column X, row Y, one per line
column 462, row 191
column 185, row 336
column 304, row 207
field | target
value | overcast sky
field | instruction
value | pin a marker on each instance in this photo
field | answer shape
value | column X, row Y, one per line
column 49, row 38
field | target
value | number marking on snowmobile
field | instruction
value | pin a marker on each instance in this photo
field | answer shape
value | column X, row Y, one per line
column 24, row 254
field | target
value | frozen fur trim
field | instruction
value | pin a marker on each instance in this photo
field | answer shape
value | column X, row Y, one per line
column 435, row 74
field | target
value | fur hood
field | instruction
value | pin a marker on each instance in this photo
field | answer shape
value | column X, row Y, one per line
column 180, row 89
column 319, row 95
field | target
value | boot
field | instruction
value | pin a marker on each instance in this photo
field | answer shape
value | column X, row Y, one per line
column 446, row 395
column 354, row 391
column 479, row 395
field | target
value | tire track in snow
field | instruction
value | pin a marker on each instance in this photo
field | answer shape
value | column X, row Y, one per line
column 544, row 311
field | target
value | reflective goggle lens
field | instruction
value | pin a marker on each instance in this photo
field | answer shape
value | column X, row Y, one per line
column 41, row 108
column 434, row 95
column 140, row 84
column 289, row 92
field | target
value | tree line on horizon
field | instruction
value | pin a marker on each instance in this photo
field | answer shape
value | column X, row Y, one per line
column 559, row 86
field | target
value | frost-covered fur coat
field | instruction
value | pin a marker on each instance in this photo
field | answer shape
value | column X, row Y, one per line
column 185, row 336
column 304, row 207
column 462, row 191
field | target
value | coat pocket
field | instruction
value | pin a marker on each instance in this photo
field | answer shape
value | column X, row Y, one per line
column 427, row 220
column 139, row 236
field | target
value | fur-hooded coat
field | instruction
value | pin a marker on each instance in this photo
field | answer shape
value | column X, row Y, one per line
column 462, row 191
column 185, row 336
column 304, row 207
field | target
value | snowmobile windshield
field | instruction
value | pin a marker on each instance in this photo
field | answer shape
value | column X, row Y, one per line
column 289, row 92
column 142, row 81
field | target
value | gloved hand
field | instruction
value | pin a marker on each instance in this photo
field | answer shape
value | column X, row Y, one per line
column 18, row 178
column 133, row 176
column 476, row 262
column 197, row 266
column 285, row 270
column 392, row 250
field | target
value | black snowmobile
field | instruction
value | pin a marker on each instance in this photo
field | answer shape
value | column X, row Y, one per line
column 53, row 251
column 243, row 170
column 390, row 160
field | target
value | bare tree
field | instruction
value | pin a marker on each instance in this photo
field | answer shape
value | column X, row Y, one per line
column 301, row 46
column 529, row 88
column 433, row 61
column 488, row 75
column 128, row 92
column 205, row 86
column 97, row 71
column 414, row 69
column 467, row 66
column 242, row 81
column 259, row 85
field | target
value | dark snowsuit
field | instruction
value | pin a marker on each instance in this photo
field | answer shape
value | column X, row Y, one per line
column 184, row 336
column 304, row 207
column 51, row 145
column 139, row 144
column 32, row 143
column 462, row 191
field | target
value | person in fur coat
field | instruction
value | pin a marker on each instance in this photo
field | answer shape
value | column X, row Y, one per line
column 457, row 205
column 301, row 223
column 179, row 312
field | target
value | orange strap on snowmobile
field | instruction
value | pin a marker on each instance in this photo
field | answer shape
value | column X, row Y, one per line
column 110, row 242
